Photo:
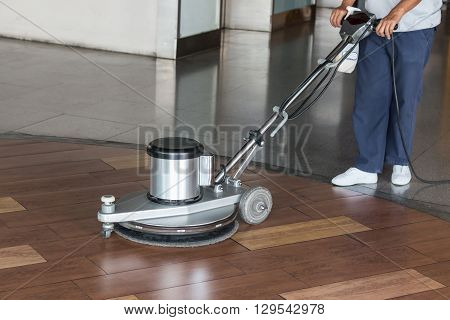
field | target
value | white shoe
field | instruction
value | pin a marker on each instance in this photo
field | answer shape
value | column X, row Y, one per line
column 354, row 176
column 401, row 175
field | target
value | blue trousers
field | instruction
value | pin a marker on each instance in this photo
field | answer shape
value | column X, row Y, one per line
column 374, row 116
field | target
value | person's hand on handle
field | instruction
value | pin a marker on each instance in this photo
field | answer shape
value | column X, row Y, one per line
column 387, row 25
column 340, row 12
column 337, row 15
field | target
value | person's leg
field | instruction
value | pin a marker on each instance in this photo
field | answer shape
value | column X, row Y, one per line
column 412, row 50
column 372, row 102
column 371, row 112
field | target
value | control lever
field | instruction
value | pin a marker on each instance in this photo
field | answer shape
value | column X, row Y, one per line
column 285, row 116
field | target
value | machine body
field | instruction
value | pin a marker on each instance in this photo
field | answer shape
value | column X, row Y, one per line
column 179, row 168
column 186, row 198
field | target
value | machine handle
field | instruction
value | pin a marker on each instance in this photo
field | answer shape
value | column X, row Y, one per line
column 377, row 22
column 357, row 14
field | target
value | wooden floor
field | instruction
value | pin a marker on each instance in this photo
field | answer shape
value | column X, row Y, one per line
column 320, row 242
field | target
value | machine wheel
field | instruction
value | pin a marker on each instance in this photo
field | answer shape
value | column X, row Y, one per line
column 106, row 234
column 255, row 205
column 107, row 229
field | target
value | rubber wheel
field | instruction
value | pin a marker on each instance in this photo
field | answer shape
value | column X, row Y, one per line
column 106, row 234
column 255, row 205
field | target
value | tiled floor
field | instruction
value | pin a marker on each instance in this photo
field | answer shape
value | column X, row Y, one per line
column 319, row 242
column 216, row 96
column 8, row 204
column 385, row 286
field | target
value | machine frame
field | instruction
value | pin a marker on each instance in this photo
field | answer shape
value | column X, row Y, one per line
column 219, row 204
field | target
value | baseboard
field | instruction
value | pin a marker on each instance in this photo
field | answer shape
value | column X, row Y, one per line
column 293, row 17
column 198, row 42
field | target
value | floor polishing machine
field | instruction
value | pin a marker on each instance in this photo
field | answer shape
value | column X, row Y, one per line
column 189, row 203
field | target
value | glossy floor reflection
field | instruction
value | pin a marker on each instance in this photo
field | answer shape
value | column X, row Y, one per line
column 217, row 96
column 319, row 242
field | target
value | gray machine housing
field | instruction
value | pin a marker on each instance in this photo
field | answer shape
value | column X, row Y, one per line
column 183, row 198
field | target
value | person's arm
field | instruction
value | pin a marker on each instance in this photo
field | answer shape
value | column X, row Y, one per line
column 340, row 12
column 387, row 25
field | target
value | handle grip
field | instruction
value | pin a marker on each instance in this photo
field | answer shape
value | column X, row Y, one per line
column 377, row 22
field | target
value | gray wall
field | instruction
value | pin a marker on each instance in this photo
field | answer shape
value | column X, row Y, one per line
column 328, row 3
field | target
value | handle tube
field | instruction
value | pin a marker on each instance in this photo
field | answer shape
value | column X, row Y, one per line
column 315, row 74
column 245, row 148
column 286, row 104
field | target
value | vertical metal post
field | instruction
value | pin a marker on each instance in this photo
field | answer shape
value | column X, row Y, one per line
column 361, row 4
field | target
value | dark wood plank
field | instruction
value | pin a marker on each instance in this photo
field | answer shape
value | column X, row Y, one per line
column 68, row 269
column 85, row 246
column 324, row 192
column 437, row 249
column 87, row 153
column 290, row 182
column 406, row 257
column 350, row 205
column 52, row 170
column 445, row 292
column 254, row 286
column 406, row 234
column 36, row 148
column 50, row 215
column 382, row 286
column 144, row 183
column 57, row 291
column 336, row 269
column 249, row 175
column 122, row 175
column 147, row 256
column 136, row 160
column 265, row 183
column 47, row 273
column 77, row 228
column 47, row 185
column 426, row 295
column 277, row 182
column 298, row 232
column 130, row 297
column 286, row 256
column 385, row 218
column 10, row 237
column 277, row 217
column 77, row 196
column 284, row 199
column 437, row 271
column 151, row 279
column 17, row 142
